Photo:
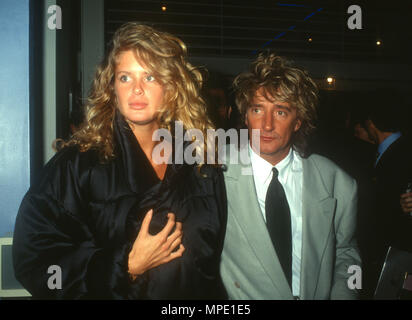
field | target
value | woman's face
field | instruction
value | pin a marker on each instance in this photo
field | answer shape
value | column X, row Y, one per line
column 139, row 94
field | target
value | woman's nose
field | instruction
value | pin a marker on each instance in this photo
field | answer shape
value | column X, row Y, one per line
column 138, row 89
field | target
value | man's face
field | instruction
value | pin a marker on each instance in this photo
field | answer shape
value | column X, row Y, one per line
column 372, row 131
column 276, row 122
column 360, row 132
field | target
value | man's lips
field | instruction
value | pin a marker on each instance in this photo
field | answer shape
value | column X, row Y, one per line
column 263, row 138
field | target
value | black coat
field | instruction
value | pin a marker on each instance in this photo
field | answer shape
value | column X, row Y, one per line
column 393, row 171
column 84, row 216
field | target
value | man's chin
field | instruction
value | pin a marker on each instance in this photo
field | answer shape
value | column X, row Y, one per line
column 274, row 152
column 269, row 149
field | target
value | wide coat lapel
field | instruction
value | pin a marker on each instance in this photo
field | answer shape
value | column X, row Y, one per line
column 318, row 213
column 246, row 212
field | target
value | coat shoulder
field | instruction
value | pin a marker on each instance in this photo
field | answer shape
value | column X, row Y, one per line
column 320, row 161
column 326, row 165
column 68, row 161
column 329, row 171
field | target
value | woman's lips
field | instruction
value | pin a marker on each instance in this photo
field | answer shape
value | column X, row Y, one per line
column 138, row 105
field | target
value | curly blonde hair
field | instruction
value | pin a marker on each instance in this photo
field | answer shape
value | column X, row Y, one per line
column 285, row 83
column 165, row 57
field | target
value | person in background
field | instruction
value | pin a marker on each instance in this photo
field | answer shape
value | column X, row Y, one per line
column 406, row 202
column 359, row 153
column 120, row 222
column 393, row 168
column 291, row 215
column 216, row 96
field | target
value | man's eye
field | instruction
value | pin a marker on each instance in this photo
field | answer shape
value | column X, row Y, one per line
column 281, row 113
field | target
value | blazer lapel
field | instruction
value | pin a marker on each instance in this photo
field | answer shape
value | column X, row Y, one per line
column 318, row 213
column 239, row 178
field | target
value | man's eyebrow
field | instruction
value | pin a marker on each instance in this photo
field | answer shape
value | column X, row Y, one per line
column 280, row 106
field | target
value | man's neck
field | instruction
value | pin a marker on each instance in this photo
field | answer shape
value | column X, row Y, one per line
column 383, row 135
column 275, row 158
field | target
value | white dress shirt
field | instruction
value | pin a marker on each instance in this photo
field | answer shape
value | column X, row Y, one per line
column 291, row 179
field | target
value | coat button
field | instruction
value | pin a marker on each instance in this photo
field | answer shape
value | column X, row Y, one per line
column 237, row 285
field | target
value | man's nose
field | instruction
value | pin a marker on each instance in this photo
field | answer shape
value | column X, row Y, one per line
column 268, row 122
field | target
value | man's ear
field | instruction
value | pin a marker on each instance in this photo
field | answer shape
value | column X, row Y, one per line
column 297, row 125
column 246, row 122
column 369, row 123
column 372, row 131
column 370, row 126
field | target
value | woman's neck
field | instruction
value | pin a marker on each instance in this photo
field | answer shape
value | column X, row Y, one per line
column 144, row 136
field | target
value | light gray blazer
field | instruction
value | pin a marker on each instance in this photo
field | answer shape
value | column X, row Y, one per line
column 249, row 266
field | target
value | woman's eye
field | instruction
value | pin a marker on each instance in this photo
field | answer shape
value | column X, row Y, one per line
column 124, row 78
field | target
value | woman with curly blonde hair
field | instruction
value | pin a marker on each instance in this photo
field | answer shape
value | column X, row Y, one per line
column 119, row 223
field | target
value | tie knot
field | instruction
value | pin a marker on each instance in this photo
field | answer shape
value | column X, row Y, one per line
column 275, row 172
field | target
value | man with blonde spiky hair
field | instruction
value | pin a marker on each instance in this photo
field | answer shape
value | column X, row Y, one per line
column 291, row 222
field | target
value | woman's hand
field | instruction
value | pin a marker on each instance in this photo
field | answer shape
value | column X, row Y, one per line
column 406, row 202
column 151, row 251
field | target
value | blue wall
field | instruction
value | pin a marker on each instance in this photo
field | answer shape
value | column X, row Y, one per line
column 14, row 109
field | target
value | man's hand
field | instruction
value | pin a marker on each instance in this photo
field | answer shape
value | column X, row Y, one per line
column 151, row 251
column 406, row 202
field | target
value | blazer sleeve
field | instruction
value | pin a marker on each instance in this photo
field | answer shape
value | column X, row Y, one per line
column 346, row 246
column 55, row 254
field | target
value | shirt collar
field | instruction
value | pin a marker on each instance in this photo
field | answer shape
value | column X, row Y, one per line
column 264, row 168
column 388, row 141
column 385, row 144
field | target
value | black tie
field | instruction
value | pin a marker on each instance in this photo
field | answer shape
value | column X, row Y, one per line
column 279, row 225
